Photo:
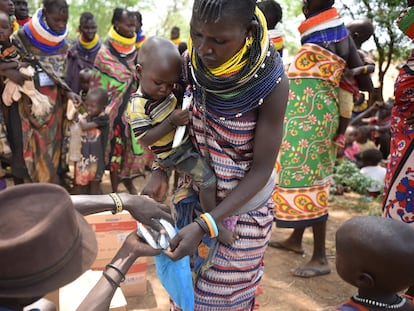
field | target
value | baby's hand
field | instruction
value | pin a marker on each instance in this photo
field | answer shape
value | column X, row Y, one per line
column 179, row 117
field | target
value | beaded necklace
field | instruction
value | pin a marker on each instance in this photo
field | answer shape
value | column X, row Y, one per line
column 21, row 22
column 240, row 84
column 41, row 36
column 139, row 41
column 91, row 47
column 378, row 304
column 326, row 27
column 176, row 41
column 123, row 45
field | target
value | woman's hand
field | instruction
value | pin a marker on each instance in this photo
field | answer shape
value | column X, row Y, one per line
column 16, row 76
column 185, row 242
column 139, row 247
column 146, row 210
column 75, row 98
column 157, row 187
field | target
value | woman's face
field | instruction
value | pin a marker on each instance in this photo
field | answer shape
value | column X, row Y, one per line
column 215, row 43
column 5, row 28
column 57, row 19
column 88, row 29
column 127, row 26
column 7, row 6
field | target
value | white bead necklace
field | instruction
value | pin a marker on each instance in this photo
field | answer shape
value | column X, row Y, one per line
column 380, row 304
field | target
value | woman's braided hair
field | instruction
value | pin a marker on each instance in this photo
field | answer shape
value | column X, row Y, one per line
column 213, row 10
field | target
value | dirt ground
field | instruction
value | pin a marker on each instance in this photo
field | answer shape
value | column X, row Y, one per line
column 281, row 290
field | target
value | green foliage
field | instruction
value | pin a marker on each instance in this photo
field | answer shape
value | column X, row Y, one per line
column 347, row 175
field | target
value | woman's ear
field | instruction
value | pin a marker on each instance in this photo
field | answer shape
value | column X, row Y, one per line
column 365, row 280
column 139, row 71
column 251, row 27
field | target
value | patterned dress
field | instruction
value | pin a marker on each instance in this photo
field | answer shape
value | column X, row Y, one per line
column 398, row 200
column 91, row 166
column 307, row 153
column 42, row 135
column 116, row 75
column 227, row 276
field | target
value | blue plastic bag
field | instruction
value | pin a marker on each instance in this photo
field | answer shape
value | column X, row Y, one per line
column 176, row 278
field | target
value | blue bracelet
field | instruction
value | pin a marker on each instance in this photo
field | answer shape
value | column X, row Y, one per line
column 213, row 223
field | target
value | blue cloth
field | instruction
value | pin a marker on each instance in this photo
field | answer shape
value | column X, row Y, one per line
column 177, row 280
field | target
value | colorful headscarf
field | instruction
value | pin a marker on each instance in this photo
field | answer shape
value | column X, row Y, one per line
column 41, row 36
column 406, row 22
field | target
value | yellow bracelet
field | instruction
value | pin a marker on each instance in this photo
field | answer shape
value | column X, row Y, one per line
column 118, row 203
column 365, row 70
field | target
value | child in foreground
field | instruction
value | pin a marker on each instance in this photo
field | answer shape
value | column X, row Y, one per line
column 154, row 116
column 95, row 126
column 375, row 254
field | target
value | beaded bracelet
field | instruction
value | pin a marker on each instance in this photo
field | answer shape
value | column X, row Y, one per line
column 201, row 222
column 118, row 203
column 211, row 224
column 109, row 279
column 117, row 270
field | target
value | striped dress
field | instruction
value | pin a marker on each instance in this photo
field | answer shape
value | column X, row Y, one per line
column 227, row 276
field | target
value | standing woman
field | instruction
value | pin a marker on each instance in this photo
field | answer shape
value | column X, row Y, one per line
column 82, row 54
column 41, row 42
column 236, row 119
column 115, row 66
column 307, row 154
column 399, row 181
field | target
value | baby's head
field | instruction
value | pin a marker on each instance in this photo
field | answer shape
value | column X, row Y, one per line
column 375, row 254
column 371, row 157
column 350, row 134
column 96, row 101
column 5, row 28
column 363, row 134
column 85, row 76
column 272, row 12
column 360, row 30
column 159, row 67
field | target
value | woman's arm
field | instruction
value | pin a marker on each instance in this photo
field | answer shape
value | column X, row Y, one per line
column 364, row 80
column 141, row 207
column 100, row 296
column 268, row 137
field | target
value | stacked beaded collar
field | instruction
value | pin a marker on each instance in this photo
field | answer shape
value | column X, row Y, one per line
column 90, row 47
column 41, row 36
column 140, row 39
column 123, row 45
column 242, row 82
column 406, row 22
column 326, row 27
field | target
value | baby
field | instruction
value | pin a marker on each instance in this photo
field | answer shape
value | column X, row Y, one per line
column 154, row 117
column 375, row 255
